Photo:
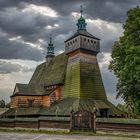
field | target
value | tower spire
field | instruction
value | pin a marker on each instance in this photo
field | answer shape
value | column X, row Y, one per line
column 81, row 11
column 81, row 21
column 50, row 48
column 50, row 39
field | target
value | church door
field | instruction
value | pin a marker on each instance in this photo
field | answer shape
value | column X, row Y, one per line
column 82, row 120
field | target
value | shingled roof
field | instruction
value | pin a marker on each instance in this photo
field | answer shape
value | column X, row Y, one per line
column 37, row 75
column 83, row 87
column 21, row 112
column 83, row 80
column 44, row 76
column 52, row 74
column 83, row 33
column 55, row 72
column 25, row 89
column 66, row 105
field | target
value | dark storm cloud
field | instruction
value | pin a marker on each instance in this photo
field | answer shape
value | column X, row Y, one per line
column 11, row 49
column 106, row 45
column 110, row 10
column 8, row 67
column 32, row 26
column 28, row 24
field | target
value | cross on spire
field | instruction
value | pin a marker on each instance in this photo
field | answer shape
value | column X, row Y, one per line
column 50, row 39
column 81, row 10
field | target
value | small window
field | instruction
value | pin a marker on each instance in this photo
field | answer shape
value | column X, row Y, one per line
column 75, row 40
column 30, row 102
column 91, row 41
column 68, row 44
column 85, row 39
column 88, row 40
column 94, row 42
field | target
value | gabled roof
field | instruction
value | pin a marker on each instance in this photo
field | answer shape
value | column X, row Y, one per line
column 84, row 33
column 53, row 74
column 24, row 89
column 29, row 90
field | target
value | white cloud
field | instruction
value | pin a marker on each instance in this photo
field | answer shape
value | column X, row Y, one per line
column 19, row 39
column 26, row 63
column 101, row 28
column 43, row 10
column 8, row 81
column 51, row 27
column 105, row 30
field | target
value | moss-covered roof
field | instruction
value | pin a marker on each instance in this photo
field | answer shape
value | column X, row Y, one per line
column 21, row 112
column 24, row 89
column 55, row 72
column 37, row 75
column 83, row 88
column 65, row 106
column 52, row 74
column 84, row 81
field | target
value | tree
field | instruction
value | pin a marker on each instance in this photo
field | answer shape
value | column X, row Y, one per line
column 126, row 61
column 2, row 103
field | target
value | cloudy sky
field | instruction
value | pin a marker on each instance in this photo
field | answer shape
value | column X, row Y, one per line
column 25, row 26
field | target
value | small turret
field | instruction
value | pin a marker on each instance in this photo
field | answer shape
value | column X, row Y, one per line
column 50, row 52
column 81, row 21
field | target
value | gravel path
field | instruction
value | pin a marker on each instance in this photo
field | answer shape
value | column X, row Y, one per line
column 26, row 136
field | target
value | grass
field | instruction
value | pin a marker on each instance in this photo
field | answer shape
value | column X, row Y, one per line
column 64, row 132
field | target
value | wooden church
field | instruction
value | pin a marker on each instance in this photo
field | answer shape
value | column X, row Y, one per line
column 69, row 84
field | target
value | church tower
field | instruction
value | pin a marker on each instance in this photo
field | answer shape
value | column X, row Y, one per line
column 50, row 52
column 83, row 77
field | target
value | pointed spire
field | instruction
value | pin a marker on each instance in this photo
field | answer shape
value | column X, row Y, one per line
column 50, row 39
column 50, row 48
column 81, row 11
column 81, row 21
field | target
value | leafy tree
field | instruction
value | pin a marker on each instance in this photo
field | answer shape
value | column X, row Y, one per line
column 7, row 105
column 126, row 61
column 2, row 103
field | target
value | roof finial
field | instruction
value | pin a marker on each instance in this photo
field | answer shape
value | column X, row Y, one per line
column 81, row 10
column 50, row 38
